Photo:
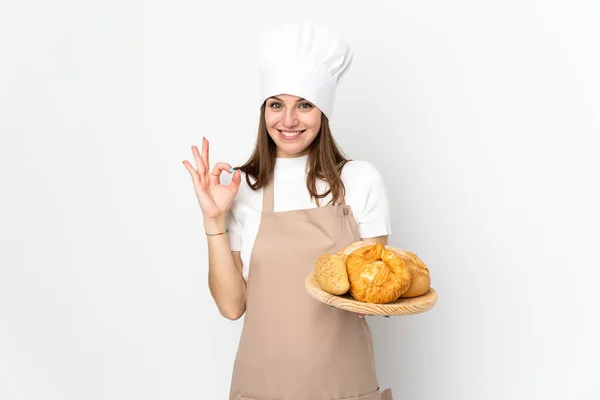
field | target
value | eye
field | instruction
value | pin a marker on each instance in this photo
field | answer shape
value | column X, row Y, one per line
column 306, row 106
column 275, row 105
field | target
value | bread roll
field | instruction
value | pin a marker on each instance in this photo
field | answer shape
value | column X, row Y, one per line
column 332, row 274
column 419, row 281
column 421, row 277
column 377, row 281
column 370, row 252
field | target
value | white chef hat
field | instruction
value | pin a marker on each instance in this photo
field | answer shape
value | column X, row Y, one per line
column 302, row 60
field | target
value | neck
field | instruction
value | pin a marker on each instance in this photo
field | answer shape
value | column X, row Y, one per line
column 281, row 154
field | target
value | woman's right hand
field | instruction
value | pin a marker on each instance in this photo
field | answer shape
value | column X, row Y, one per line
column 214, row 199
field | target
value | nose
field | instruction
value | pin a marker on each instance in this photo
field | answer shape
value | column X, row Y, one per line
column 290, row 119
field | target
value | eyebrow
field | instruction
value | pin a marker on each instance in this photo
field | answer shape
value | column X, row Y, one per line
column 277, row 98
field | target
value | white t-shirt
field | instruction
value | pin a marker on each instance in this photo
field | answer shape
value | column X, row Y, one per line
column 365, row 194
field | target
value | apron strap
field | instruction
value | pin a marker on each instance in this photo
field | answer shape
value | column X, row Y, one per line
column 268, row 196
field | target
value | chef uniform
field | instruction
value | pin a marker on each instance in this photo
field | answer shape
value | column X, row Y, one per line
column 292, row 346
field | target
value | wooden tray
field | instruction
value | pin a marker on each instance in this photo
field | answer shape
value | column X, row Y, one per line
column 409, row 306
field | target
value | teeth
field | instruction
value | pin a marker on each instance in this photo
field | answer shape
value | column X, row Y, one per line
column 290, row 134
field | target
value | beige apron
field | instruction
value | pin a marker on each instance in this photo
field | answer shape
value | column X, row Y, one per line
column 292, row 346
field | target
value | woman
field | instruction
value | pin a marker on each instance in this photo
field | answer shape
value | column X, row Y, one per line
column 295, row 199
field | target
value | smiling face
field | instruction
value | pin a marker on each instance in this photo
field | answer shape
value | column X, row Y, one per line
column 293, row 123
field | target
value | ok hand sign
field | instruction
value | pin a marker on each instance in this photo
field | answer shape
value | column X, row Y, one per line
column 214, row 199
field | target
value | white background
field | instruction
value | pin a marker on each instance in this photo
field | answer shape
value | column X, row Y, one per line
column 483, row 117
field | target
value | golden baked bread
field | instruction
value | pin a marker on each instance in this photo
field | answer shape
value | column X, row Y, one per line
column 382, row 274
column 420, row 275
column 332, row 274
column 377, row 275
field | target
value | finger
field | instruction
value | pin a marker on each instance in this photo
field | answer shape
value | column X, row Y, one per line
column 192, row 171
column 205, row 152
column 235, row 180
column 216, row 172
column 200, row 167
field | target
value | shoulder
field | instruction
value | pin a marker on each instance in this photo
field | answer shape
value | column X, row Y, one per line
column 359, row 171
column 367, row 195
column 364, row 185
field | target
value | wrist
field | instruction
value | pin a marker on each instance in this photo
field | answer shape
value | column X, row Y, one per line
column 215, row 225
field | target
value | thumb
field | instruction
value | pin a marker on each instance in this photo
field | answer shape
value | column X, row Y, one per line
column 235, row 180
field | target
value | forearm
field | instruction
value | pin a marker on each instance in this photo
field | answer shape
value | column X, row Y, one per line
column 225, row 281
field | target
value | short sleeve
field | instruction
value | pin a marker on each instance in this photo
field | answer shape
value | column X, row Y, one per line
column 369, row 199
column 235, row 226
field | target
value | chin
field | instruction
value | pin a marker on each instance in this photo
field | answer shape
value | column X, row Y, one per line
column 292, row 146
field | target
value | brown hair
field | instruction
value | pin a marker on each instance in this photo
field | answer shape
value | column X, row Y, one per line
column 325, row 161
